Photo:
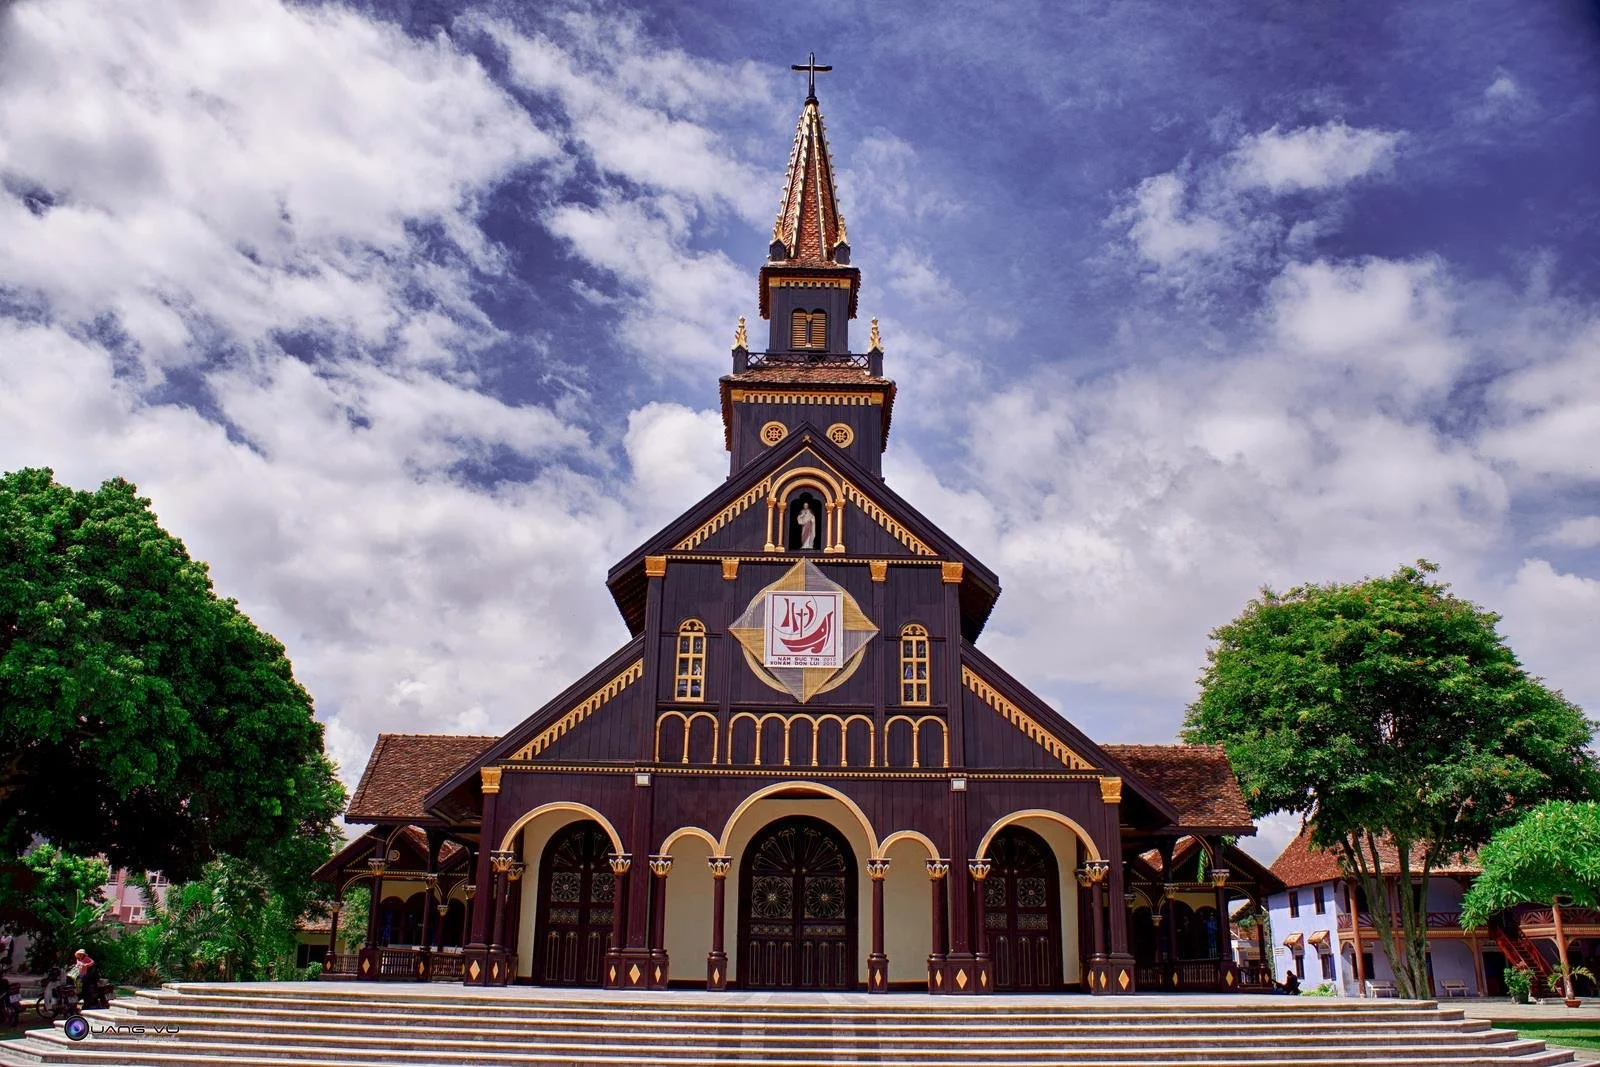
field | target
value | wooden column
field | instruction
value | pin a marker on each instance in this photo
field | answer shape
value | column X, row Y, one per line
column 369, row 960
column 501, row 863
column 620, row 862
column 979, row 869
column 475, row 957
column 717, row 958
column 877, row 961
column 333, row 926
column 951, row 574
column 1227, row 968
column 660, row 866
column 507, row 972
column 940, row 940
column 1355, row 933
column 1118, row 968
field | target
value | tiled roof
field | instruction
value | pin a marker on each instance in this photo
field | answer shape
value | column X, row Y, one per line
column 1198, row 780
column 807, row 374
column 404, row 768
column 809, row 225
column 1300, row 864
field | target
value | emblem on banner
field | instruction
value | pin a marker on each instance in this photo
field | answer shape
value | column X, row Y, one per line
column 804, row 634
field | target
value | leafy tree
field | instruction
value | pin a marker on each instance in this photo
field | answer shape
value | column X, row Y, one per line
column 146, row 719
column 353, row 918
column 66, row 906
column 1387, row 712
column 1550, row 856
column 230, row 923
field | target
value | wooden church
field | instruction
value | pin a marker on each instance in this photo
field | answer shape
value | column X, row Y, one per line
column 800, row 772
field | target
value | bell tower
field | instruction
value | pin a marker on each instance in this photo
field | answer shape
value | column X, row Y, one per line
column 808, row 377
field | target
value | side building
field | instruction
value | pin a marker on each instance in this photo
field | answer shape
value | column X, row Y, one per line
column 1321, row 923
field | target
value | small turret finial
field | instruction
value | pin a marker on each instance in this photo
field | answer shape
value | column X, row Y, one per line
column 811, row 70
column 740, row 339
column 874, row 339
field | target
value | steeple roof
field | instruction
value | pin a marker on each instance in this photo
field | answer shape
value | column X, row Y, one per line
column 809, row 231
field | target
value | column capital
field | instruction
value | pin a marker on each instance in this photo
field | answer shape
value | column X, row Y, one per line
column 515, row 871
column 1111, row 790
column 952, row 573
column 878, row 868
column 1219, row 876
column 489, row 779
column 720, row 865
column 938, row 868
column 502, row 861
column 620, row 862
column 879, row 569
column 655, row 566
column 979, row 869
column 1097, row 870
column 660, row 866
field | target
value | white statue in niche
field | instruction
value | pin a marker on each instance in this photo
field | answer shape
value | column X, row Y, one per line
column 808, row 526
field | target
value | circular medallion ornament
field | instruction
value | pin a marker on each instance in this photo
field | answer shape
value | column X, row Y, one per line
column 773, row 432
column 841, row 435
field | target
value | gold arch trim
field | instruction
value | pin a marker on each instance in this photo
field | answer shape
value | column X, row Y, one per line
column 723, row 517
column 568, row 807
column 1024, row 722
column 688, row 831
column 1045, row 815
column 916, row 736
column 596, row 700
column 909, row 835
column 816, row 787
column 688, row 732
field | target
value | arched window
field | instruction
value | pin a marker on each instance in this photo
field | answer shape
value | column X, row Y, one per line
column 691, row 671
column 914, row 665
column 808, row 329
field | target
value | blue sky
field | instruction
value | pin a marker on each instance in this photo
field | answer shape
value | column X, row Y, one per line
column 409, row 317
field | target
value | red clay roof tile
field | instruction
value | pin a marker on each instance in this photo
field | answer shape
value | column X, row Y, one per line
column 404, row 768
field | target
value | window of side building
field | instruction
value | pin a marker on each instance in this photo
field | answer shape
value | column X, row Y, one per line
column 1318, row 901
column 1294, row 903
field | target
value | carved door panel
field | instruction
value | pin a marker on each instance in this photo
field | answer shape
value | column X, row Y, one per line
column 1022, row 913
column 577, row 892
column 797, row 908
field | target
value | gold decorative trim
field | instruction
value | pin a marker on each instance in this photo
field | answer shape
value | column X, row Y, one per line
column 772, row 433
column 879, row 569
column 916, row 737
column 876, row 772
column 952, row 572
column 844, row 722
column 841, row 434
column 740, row 338
column 688, row 721
column 1111, row 790
column 773, row 396
column 1023, row 721
column 489, row 777
column 598, row 699
column 776, row 280
column 730, row 569
column 655, row 566
column 725, row 516
column 887, row 521
column 753, row 557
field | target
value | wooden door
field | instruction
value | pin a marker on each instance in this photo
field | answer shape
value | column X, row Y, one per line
column 1022, row 913
column 577, row 892
column 797, row 908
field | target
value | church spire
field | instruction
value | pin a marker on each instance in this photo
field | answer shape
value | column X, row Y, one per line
column 809, row 230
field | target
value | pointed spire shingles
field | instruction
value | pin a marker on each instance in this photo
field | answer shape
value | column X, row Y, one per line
column 809, row 226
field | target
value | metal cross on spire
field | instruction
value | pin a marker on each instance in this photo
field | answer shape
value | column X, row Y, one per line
column 812, row 70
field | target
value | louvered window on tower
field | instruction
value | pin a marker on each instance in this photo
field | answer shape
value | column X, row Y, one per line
column 691, row 672
column 914, row 665
column 808, row 329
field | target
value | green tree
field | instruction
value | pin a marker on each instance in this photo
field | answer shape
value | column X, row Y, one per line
column 1387, row 711
column 353, row 918
column 65, row 905
column 145, row 718
column 1549, row 856
column 228, row 924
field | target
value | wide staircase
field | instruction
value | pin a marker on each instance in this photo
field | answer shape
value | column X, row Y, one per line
column 306, row 1025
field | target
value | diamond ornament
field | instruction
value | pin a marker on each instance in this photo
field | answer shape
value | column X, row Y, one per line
column 854, row 632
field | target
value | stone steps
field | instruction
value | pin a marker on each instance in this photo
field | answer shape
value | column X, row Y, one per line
column 312, row 1025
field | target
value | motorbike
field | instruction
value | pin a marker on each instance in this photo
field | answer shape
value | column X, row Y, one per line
column 58, row 996
column 10, row 1003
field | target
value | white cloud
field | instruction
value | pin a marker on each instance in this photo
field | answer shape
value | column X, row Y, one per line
column 1312, row 157
column 1165, row 231
column 677, row 456
column 1551, row 620
column 1575, row 533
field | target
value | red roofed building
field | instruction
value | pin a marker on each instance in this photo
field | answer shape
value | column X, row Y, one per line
column 800, row 772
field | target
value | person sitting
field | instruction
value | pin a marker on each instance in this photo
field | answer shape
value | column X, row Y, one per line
column 1291, row 985
column 82, row 964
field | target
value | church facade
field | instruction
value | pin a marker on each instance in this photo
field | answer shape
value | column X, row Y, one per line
column 800, row 771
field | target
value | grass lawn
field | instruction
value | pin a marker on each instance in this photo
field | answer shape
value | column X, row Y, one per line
column 1583, row 1033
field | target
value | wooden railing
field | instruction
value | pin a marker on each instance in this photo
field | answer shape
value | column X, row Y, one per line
column 398, row 964
column 447, row 967
column 340, row 964
column 1437, row 920
column 1569, row 917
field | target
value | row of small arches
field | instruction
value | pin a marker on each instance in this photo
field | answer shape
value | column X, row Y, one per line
column 689, row 670
column 775, row 739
